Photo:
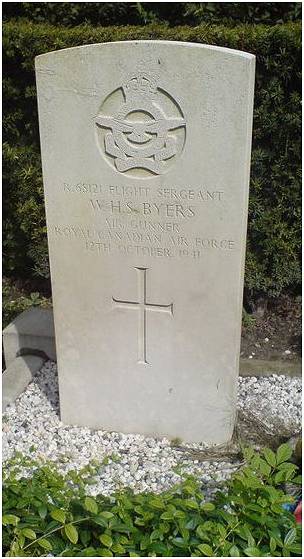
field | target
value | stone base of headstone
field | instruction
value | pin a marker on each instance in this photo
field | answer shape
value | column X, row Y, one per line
column 30, row 332
column 17, row 376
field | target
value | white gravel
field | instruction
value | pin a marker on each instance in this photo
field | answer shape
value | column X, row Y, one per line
column 274, row 400
column 31, row 426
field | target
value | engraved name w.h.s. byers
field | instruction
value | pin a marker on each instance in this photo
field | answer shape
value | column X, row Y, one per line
column 142, row 306
column 141, row 135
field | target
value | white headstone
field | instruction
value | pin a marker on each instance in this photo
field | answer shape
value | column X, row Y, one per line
column 146, row 156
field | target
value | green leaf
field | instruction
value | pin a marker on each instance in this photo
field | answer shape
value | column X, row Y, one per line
column 156, row 504
column 167, row 516
column 118, row 549
column 270, row 457
column 272, row 544
column 276, row 535
column 272, row 492
column 120, row 527
column 85, row 537
column 296, row 549
column 264, row 467
column 276, row 508
column 106, row 540
column 155, row 535
column 90, row 505
column 185, row 533
column 100, row 521
column 256, row 508
column 21, row 540
column 88, row 552
column 290, row 537
column 192, row 522
column 253, row 482
column 201, row 532
column 234, row 551
column 287, row 466
column 15, row 550
column 280, row 476
column 159, row 549
column 289, row 474
column 205, row 549
column 45, row 544
column 180, row 542
column 42, row 511
column 190, row 489
column 297, row 480
column 106, row 514
column 179, row 514
column 59, row 515
column 222, row 530
column 32, row 520
column 144, row 542
column 255, row 461
column 284, row 452
column 10, row 519
column 250, row 538
column 190, row 504
column 248, row 453
column 28, row 533
column 71, row 533
column 228, row 517
column 103, row 552
column 252, row 552
column 207, row 507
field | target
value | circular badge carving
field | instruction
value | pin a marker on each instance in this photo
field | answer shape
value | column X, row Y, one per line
column 140, row 128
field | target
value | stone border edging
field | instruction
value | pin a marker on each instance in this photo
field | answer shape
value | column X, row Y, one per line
column 17, row 376
column 265, row 368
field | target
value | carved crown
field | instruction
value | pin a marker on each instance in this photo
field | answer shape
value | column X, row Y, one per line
column 141, row 84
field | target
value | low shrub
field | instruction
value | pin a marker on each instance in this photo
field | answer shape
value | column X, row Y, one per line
column 50, row 513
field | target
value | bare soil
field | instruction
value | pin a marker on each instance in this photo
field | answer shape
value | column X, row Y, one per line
column 274, row 331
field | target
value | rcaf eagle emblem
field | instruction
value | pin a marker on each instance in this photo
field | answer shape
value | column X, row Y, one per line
column 147, row 129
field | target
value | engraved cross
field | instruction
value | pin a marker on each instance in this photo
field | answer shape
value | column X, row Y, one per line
column 142, row 306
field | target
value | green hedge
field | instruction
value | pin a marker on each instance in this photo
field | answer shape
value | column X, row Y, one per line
column 141, row 13
column 273, row 250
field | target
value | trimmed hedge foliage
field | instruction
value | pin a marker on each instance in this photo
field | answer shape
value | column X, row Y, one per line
column 141, row 13
column 273, row 249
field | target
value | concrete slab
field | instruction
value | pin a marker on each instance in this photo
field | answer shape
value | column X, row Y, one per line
column 17, row 376
column 31, row 331
column 264, row 368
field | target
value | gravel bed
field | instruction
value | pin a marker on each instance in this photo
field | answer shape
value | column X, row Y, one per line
column 32, row 426
column 275, row 401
